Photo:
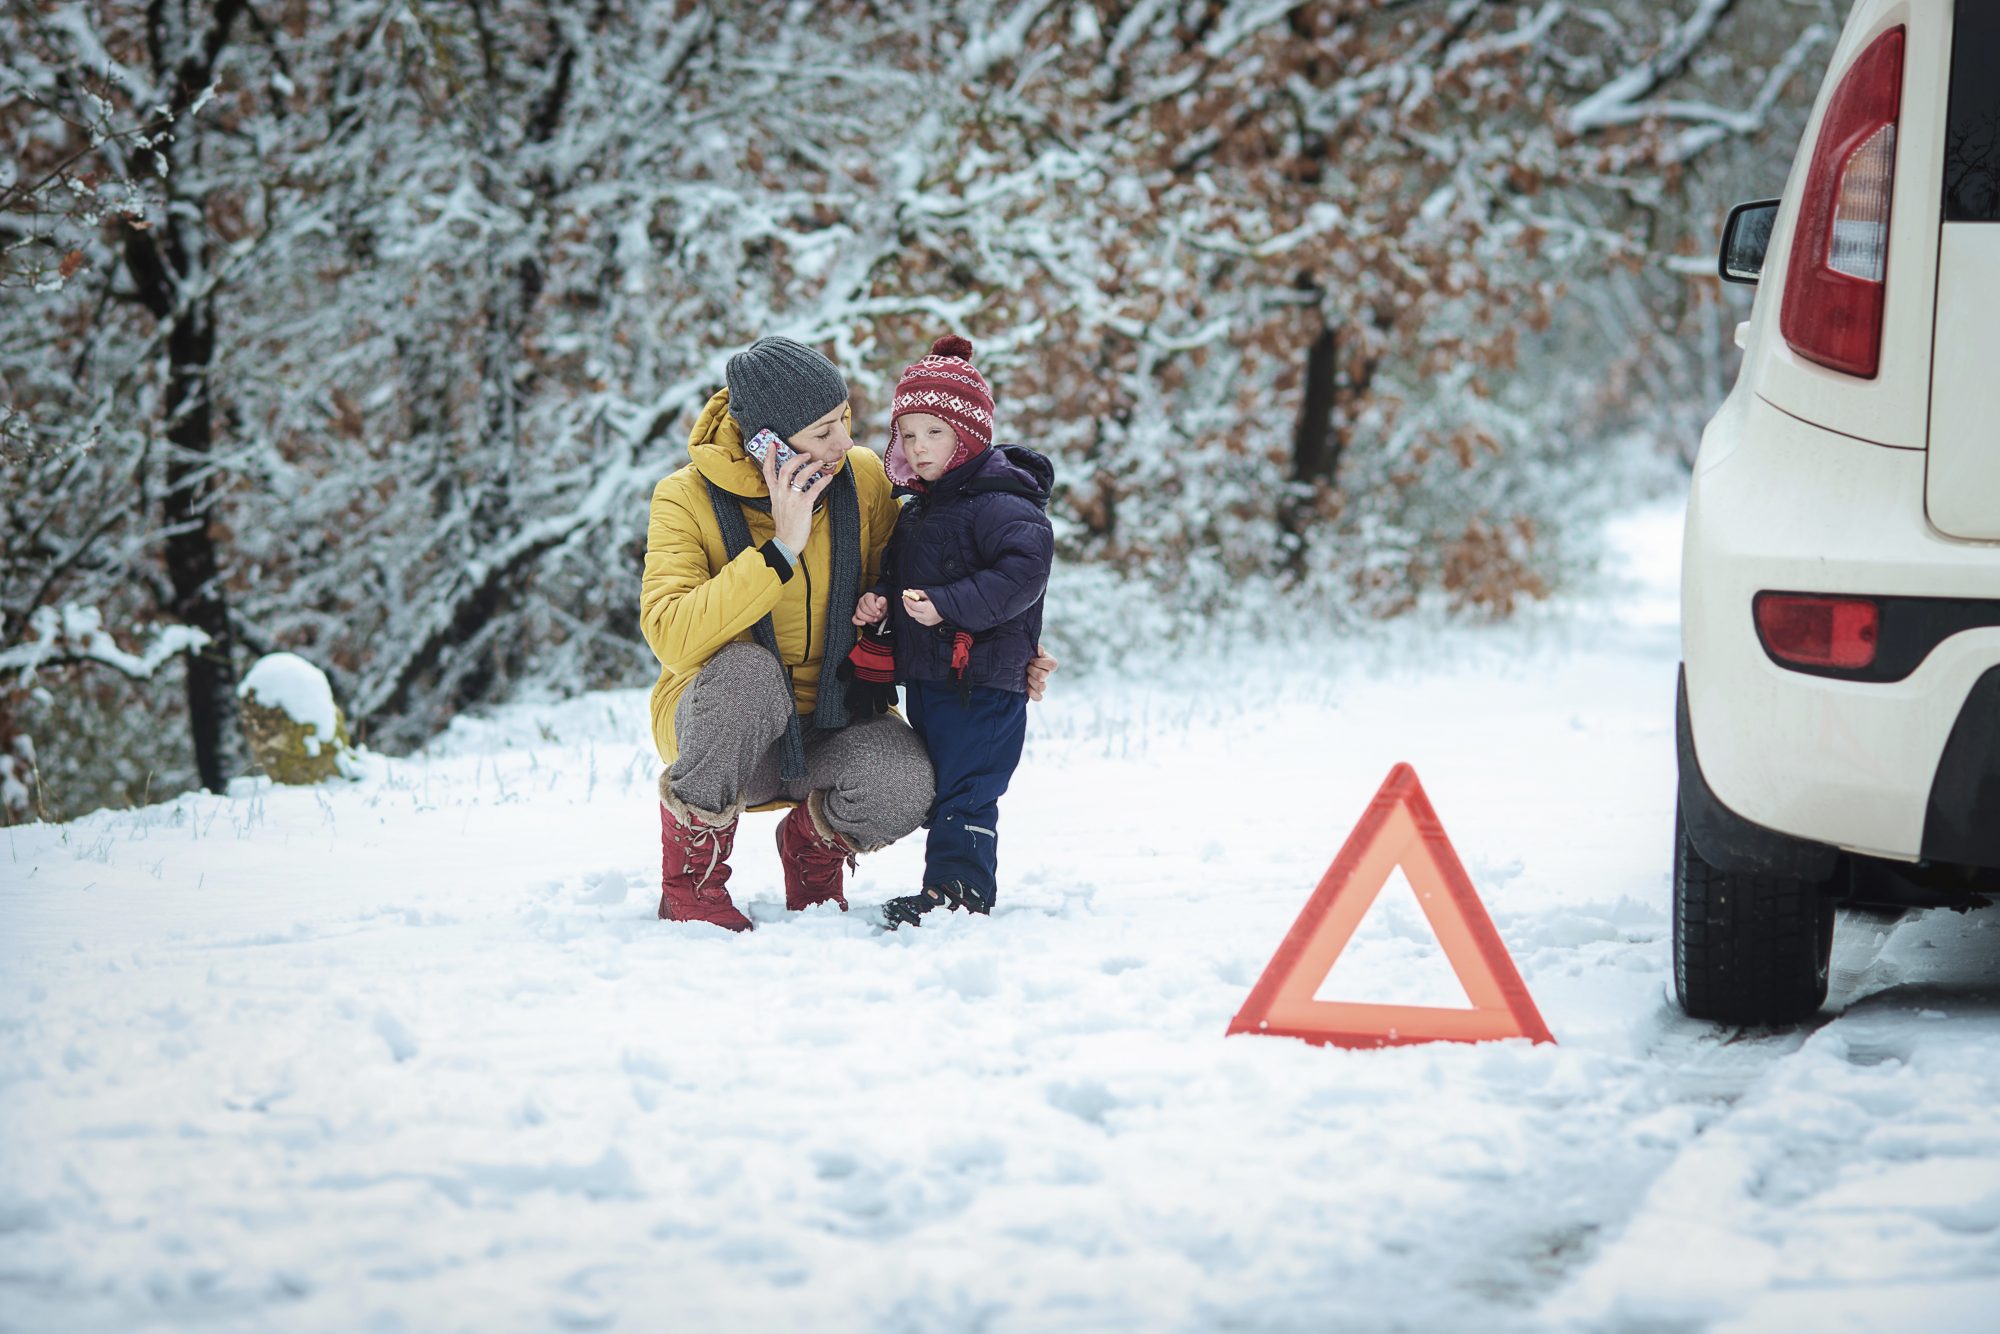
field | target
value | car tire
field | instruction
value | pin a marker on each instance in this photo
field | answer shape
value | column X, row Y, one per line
column 1748, row 948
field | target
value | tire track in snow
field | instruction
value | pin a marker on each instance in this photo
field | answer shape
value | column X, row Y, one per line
column 1854, row 1183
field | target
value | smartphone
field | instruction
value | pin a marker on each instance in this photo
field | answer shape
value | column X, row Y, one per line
column 758, row 445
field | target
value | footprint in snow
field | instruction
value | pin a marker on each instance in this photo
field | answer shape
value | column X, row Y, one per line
column 604, row 887
column 402, row 1043
column 1087, row 1100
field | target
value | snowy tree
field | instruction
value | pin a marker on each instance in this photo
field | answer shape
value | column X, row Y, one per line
column 362, row 328
column 126, row 171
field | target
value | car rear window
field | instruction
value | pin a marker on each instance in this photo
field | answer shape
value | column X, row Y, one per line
column 1972, row 132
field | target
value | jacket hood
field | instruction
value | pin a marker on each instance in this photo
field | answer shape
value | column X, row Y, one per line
column 1003, row 469
column 715, row 445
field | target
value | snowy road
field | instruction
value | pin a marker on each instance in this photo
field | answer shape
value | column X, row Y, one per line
column 413, row 1053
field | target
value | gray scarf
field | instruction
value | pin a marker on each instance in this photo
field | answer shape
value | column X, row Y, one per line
column 844, row 515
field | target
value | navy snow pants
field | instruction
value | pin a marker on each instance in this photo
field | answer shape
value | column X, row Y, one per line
column 974, row 750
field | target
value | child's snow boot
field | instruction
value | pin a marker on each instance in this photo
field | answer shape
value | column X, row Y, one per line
column 910, row 908
column 694, row 871
column 815, row 857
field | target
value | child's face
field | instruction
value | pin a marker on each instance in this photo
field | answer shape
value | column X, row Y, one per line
column 929, row 442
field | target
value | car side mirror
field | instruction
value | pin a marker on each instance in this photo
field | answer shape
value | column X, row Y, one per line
column 1745, row 238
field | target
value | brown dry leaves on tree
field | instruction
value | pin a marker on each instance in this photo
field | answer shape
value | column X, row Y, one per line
column 1347, row 178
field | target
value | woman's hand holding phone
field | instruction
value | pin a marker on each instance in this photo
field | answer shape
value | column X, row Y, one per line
column 792, row 497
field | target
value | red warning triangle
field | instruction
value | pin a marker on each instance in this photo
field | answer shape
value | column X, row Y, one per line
column 1399, row 828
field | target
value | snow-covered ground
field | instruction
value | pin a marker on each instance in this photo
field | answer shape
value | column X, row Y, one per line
column 413, row 1053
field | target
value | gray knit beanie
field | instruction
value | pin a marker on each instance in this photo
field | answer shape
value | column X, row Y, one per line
column 783, row 385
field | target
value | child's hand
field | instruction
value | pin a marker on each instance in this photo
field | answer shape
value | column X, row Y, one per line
column 1040, row 668
column 872, row 608
column 921, row 609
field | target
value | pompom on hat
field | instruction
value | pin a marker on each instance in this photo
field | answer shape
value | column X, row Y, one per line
column 943, row 384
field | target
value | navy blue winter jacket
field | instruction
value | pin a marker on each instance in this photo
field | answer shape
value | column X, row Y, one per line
column 979, row 543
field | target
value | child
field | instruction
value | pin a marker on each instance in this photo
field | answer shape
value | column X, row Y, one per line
column 962, row 585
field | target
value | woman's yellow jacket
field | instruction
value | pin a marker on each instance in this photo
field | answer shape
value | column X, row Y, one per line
column 694, row 599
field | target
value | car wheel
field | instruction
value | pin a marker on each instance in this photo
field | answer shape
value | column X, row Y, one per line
column 1748, row 949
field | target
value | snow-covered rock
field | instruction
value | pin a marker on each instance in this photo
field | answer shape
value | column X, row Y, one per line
column 295, row 730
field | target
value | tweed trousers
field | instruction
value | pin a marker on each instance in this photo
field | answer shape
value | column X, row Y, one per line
column 872, row 777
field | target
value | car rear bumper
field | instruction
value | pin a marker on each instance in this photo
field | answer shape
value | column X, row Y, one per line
column 1725, row 839
column 1780, row 504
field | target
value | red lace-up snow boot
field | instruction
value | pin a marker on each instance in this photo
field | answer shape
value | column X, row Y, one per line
column 816, row 858
column 694, row 871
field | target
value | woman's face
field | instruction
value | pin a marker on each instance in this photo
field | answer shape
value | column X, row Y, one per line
column 826, row 439
column 929, row 442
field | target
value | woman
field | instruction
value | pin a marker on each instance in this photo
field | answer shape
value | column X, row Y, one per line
column 752, row 575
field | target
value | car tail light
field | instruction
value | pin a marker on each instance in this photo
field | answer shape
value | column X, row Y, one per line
column 1839, row 269
column 1819, row 631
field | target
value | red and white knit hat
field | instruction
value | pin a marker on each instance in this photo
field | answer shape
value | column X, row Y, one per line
column 943, row 384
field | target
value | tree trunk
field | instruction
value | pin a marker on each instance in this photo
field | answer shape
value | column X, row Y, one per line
column 194, row 566
column 1315, row 446
column 158, row 260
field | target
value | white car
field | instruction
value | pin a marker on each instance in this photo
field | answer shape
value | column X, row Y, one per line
column 1839, row 715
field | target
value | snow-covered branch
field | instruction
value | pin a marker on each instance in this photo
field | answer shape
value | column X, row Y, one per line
column 1716, row 124
column 70, row 634
column 1613, row 103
